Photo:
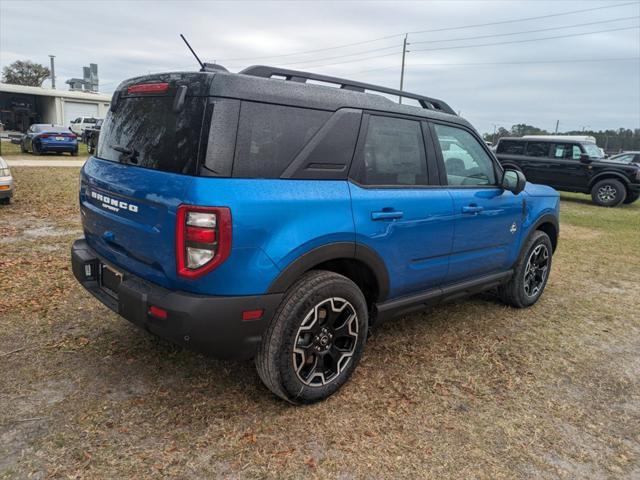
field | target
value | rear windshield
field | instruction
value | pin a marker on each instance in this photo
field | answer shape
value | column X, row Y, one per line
column 146, row 132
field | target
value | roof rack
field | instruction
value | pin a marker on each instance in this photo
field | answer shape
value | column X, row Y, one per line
column 302, row 77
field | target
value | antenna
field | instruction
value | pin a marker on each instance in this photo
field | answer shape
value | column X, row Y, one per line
column 202, row 68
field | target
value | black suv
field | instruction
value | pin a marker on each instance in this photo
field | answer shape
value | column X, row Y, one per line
column 572, row 166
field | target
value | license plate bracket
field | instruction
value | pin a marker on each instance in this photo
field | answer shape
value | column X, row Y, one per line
column 110, row 279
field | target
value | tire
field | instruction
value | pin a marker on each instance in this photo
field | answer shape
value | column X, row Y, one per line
column 631, row 198
column 519, row 292
column 74, row 153
column 297, row 376
column 5, row 201
column 608, row 192
column 35, row 150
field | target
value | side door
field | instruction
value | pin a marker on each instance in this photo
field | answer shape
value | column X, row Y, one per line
column 568, row 171
column 487, row 218
column 539, row 165
column 398, row 209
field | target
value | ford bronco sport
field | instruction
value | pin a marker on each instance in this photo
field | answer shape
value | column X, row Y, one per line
column 268, row 214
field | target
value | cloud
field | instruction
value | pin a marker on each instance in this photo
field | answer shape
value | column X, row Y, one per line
column 132, row 38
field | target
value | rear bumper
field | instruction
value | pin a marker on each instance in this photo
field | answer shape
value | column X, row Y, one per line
column 208, row 324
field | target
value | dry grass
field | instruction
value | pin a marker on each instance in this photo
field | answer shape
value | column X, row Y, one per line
column 471, row 389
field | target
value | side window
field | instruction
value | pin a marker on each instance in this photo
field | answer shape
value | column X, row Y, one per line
column 537, row 149
column 465, row 160
column 576, row 152
column 269, row 136
column 511, row 147
column 566, row 151
column 393, row 153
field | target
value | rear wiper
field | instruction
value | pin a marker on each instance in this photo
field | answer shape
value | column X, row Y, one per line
column 127, row 154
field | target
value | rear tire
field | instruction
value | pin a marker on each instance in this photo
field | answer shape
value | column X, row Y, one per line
column 35, row 149
column 530, row 274
column 74, row 153
column 631, row 198
column 315, row 339
column 608, row 192
column 5, row 201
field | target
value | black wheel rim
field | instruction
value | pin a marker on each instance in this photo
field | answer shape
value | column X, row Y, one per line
column 535, row 273
column 325, row 342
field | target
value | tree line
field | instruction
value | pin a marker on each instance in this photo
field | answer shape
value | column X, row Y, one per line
column 612, row 141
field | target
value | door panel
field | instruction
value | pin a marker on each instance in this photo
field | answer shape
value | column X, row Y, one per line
column 411, row 229
column 484, row 238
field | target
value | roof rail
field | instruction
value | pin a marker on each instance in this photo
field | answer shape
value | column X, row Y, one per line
column 302, row 77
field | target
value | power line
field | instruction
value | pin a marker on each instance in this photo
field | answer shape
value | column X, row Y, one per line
column 526, row 40
column 397, row 48
column 461, row 27
column 526, row 31
column 478, row 45
column 522, row 62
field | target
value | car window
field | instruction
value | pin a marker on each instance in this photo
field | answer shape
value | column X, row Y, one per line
column 537, row 149
column 269, row 136
column 566, row 150
column 624, row 158
column 511, row 147
column 465, row 160
column 89, row 120
column 393, row 153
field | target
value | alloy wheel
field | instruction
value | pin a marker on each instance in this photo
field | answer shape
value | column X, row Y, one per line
column 535, row 273
column 607, row 193
column 325, row 342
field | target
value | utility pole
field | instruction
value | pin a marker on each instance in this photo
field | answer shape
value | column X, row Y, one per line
column 404, row 53
column 557, row 125
column 53, row 72
column 493, row 140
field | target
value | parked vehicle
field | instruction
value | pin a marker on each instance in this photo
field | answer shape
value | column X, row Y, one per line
column 6, row 183
column 91, row 135
column 78, row 125
column 43, row 138
column 571, row 165
column 626, row 157
column 262, row 215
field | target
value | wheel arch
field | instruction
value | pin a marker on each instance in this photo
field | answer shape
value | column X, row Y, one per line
column 359, row 263
column 548, row 224
column 609, row 175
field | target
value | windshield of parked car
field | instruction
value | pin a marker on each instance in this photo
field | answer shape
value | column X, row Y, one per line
column 622, row 158
column 592, row 150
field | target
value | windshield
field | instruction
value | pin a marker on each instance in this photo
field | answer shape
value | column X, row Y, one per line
column 592, row 150
column 622, row 158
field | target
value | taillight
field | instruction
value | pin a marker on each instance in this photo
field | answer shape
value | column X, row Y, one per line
column 203, row 239
column 148, row 88
column 71, row 135
column 45, row 135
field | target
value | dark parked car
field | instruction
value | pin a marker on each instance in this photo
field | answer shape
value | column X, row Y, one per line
column 91, row 136
column 572, row 166
column 42, row 138
column 626, row 157
column 260, row 215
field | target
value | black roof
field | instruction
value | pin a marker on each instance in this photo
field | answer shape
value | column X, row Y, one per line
column 292, row 87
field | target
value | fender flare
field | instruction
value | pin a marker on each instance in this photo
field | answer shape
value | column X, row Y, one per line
column 546, row 218
column 608, row 174
column 333, row 251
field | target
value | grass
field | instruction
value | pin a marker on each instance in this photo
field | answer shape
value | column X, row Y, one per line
column 470, row 389
column 8, row 150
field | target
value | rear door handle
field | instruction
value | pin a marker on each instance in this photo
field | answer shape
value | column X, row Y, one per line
column 472, row 209
column 384, row 215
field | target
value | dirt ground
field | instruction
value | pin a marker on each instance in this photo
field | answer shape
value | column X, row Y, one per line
column 468, row 390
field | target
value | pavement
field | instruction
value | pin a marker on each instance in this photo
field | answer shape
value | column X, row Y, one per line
column 15, row 161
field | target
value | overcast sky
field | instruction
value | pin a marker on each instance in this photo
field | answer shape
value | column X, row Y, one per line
column 590, row 80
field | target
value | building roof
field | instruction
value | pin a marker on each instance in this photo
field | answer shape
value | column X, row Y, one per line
column 50, row 92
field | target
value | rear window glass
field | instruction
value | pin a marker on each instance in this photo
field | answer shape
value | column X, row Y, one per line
column 146, row 132
column 511, row 147
column 269, row 137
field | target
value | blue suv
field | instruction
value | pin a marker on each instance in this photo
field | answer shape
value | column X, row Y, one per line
column 277, row 215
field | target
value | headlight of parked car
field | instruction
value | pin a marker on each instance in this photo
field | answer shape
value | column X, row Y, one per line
column 5, row 172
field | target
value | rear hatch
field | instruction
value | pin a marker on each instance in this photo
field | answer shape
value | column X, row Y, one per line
column 148, row 152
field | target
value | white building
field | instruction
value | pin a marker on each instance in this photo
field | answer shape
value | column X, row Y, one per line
column 21, row 106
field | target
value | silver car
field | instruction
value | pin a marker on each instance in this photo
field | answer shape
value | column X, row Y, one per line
column 6, row 183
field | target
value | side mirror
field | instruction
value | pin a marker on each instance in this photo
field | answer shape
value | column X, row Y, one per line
column 514, row 181
column 585, row 158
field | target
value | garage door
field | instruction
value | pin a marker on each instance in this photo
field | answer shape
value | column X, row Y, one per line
column 74, row 110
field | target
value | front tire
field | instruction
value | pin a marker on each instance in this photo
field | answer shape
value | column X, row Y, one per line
column 530, row 274
column 315, row 339
column 608, row 193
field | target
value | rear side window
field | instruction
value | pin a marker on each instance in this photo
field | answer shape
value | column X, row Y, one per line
column 393, row 153
column 269, row 137
column 537, row 149
column 146, row 132
column 511, row 147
